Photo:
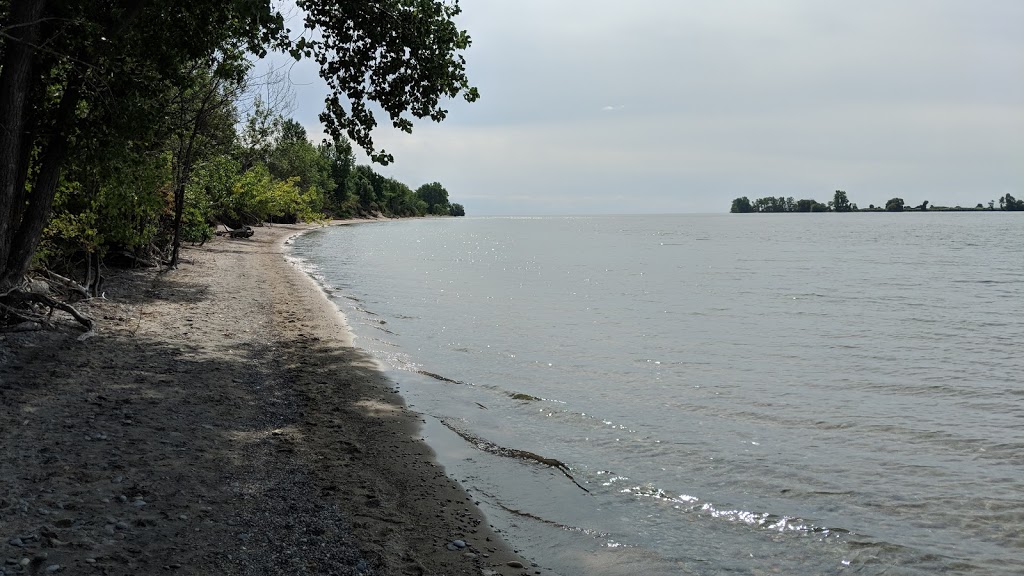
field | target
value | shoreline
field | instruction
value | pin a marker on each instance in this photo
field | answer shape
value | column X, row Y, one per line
column 222, row 422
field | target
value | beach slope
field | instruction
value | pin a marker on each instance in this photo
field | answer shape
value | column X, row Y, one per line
column 221, row 422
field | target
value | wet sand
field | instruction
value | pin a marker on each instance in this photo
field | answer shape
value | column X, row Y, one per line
column 221, row 422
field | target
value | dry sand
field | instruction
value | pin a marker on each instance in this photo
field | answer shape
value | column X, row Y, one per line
column 220, row 422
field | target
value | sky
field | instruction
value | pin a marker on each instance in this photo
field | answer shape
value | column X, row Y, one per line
column 679, row 106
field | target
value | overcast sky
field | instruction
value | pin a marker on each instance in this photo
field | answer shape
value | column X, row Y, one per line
column 598, row 106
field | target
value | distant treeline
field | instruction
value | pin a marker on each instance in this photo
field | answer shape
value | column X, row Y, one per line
column 841, row 203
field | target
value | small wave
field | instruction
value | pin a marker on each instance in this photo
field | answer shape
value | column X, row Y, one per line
column 760, row 520
column 566, row 527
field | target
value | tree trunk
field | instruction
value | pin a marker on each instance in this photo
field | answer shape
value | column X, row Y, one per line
column 179, row 209
column 15, row 83
column 23, row 237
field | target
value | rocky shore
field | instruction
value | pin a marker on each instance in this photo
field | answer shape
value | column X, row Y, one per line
column 221, row 422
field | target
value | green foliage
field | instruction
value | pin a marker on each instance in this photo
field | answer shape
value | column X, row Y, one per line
column 1008, row 202
column 81, row 78
column 118, row 204
column 741, row 206
column 770, row 204
column 402, row 54
column 360, row 182
column 259, row 134
column 340, row 161
column 211, row 189
column 840, row 203
column 298, row 158
column 196, row 220
column 458, row 210
column 894, row 205
column 810, row 205
column 436, row 198
column 257, row 196
column 132, row 200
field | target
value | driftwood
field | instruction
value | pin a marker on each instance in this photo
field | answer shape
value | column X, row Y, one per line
column 243, row 232
column 137, row 261
column 67, row 283
column 438, row 376
column 24, row 305
column 497, row 450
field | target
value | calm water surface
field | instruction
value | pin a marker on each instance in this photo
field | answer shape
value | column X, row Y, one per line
column 748, row 394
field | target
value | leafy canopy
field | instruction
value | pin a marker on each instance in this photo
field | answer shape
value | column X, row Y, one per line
column 405, row 55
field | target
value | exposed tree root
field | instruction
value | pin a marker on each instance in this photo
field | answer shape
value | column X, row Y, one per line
column 68, row 283
column 22, row 305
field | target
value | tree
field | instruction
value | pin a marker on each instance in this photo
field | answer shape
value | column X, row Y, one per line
column 894, row 205
column 436, row 198
column 770, row 204
column 341, row 160
column 202, row 121
column 1009, row 203
column 291, row 132
column 291, row 154
column 840, row 203
column 807, row 205
column 65, row 65
column 741, row 206
column 360, row 182
column 458, row 210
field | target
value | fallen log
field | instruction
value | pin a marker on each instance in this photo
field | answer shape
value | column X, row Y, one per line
column 243, row 232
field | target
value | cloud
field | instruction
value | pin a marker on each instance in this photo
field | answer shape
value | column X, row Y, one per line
column 793, row 97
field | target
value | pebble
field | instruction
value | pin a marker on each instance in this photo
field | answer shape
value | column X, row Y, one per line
column 515, row 564
column 54, row 568
column 459, row 543
column 16, row 542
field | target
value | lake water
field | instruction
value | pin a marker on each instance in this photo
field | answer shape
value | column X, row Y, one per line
column 748, row 394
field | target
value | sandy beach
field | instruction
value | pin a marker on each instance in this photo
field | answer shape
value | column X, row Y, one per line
column 221, row 422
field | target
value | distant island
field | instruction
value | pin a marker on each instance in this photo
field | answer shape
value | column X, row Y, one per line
column 841, row 203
